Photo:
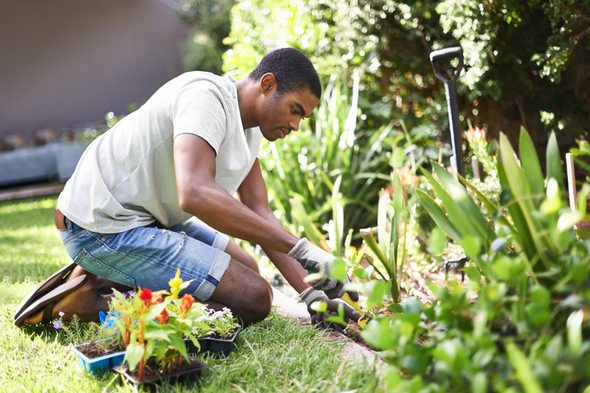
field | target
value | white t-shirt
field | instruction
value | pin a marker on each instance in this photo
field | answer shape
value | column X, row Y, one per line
column 126, row 179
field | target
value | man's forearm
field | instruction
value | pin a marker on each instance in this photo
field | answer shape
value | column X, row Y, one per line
column 230, row 216
column 293, row 272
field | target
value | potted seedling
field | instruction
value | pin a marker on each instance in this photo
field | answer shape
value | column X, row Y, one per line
column 100, row 355
column 219, row 333
column 153, row 328
column 97, row 357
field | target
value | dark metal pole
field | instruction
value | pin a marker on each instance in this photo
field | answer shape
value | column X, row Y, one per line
column 449, row 75
column 454, row 127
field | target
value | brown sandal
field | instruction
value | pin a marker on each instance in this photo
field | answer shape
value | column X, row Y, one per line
column 54, row 281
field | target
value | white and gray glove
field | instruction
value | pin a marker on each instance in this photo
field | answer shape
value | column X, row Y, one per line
column 311, row 296
column 316, row 260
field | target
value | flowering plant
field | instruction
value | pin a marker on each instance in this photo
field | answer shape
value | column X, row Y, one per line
column 221, row 323
column 153, row 325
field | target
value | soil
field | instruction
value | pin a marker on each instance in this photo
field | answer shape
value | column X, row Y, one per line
column 95, row 350
column 153, row 375
column 353, row 331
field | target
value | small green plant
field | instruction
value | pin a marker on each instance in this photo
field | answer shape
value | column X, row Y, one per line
column 221, row 323
column 389, row 247
column 154, row 327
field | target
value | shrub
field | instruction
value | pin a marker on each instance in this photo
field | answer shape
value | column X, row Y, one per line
column 521, row 320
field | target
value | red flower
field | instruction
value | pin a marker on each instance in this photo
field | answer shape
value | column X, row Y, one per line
column 146, row 296
column 186, row 302
column 163, row 318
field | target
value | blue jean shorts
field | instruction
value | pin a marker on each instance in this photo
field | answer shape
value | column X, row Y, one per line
column 149, row 256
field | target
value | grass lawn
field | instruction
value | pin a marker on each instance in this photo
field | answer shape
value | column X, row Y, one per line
column 275, row 355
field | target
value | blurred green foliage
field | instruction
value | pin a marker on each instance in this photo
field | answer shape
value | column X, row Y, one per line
column 210, row 20
column 526, row 59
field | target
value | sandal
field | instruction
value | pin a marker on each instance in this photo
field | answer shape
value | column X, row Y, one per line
column 44, row 306
column 55, row 280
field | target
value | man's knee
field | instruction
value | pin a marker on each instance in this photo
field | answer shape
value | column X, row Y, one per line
column 245, row 292
column 260, row 303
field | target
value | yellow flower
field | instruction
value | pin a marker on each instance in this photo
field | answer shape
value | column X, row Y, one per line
column 175, row 284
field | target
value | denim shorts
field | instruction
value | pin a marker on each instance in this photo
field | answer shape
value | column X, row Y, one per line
column 149, row 256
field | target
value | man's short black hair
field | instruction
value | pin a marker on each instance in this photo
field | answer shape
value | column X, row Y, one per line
column 292, row 71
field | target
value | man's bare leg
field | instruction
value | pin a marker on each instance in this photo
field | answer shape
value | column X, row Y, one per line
column 240, row 255
column 241, row 289
column 244, row 292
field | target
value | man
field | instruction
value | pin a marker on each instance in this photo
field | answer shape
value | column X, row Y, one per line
column 127, row 214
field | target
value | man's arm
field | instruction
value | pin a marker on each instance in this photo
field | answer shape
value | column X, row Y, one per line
column 201, row 196
column 253, row 194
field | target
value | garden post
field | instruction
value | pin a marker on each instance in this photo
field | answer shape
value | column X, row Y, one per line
column 445, row 70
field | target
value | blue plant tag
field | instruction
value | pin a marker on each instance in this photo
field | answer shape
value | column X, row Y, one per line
column 108, row 319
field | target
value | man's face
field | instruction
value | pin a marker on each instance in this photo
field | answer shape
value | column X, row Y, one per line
column 282, row 113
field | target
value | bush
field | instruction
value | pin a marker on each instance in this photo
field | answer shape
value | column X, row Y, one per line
column 521, row 321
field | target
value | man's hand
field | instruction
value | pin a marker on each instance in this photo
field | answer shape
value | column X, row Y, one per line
column 334, row 307
column 316, row 260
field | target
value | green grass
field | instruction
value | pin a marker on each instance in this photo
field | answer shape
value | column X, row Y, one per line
column 275, row 355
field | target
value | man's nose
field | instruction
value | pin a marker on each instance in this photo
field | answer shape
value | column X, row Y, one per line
column 294, row 124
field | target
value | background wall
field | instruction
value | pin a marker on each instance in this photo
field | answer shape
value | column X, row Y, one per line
column 67, row 62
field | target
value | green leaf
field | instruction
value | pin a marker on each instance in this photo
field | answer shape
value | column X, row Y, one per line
column 337, row 216
column 437, row 241
column 398, row 158
column 552, row 202
column 554, row 167
column 319, row 306
column 380, row 333
column 177, row 342
column 159, row 333
column 133, row 355
column 479, row 383
column 384, row 225
column 526, row 221
column 369, row 238
column 376, row 291
column 524, row 372
column 508, row 269
column 530, row 163
column 411, row 305
column 438, row 215
column 465, row 203
column 338, row 269
column 473, row 274
column 472, row 247
column 461, row 210
column 156, row 310
column 490, row 207
column 360, row 273
column 574, row 332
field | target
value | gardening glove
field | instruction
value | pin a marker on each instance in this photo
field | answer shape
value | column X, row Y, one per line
column 316, row 260
column 333, row 306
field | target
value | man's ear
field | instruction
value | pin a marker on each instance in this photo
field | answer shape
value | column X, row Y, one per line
column 267, row 83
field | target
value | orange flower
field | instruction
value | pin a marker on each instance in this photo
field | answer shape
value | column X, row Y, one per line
column 163, row 318
column 186, row 302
